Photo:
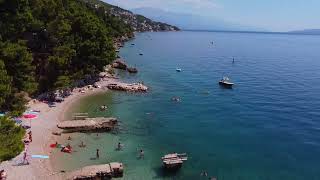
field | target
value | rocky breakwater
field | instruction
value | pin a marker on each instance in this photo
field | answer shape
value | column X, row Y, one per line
column 134, row 87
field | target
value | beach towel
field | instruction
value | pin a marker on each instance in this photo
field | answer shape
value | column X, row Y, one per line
column 40, row 156
column 55, row 145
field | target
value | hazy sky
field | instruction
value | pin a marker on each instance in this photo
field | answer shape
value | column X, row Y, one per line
column 274, row 15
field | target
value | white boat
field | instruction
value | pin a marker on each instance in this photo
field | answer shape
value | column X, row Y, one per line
column 178, row 69
column 225, row 81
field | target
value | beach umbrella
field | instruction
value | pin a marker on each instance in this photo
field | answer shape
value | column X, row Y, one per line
column 29, row 116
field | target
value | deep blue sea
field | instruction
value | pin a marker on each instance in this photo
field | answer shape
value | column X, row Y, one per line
column 266, row 128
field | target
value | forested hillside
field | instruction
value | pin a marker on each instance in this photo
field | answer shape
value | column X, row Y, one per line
column 49, row 44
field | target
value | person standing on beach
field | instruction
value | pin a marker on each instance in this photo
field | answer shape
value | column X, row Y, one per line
column 30, row 136
column 97, row 154
column 25, row 158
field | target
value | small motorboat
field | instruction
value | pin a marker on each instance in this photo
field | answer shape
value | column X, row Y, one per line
column 225, row 81
column 141, row 54
column 178, row 69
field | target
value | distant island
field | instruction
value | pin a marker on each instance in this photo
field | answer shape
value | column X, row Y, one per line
column 306, row 32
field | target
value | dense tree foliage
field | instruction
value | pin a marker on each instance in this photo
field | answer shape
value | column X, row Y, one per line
column 5, row 83
column 49, row 44
column 10, row 138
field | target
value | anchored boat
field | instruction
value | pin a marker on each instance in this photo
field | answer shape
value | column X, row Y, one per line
column 225, row 81
column 174, row 161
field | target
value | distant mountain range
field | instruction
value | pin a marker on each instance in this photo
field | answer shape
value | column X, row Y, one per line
column 190, row 21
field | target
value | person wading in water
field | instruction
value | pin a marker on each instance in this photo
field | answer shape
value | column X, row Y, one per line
column 97, row 154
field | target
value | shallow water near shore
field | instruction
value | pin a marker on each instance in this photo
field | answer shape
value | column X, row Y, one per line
column 266, row 127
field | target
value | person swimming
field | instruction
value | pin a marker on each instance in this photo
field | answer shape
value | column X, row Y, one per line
column 176, row 99
column 119, row 147
column 141, row 154
column 204, row 173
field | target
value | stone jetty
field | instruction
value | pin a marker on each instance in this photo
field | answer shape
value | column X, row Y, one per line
column 88, row 124
column 104, row 171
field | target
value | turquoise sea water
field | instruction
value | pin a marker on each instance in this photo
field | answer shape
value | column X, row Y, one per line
column 266, row 127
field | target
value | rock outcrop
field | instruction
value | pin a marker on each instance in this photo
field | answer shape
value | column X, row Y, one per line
column 88, row 124
column 104, row 171
column 119, row 64
column 132, row 70
column 135, row 87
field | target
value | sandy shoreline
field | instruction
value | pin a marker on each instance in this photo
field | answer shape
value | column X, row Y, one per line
column 46, row 123
column 42, row 128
